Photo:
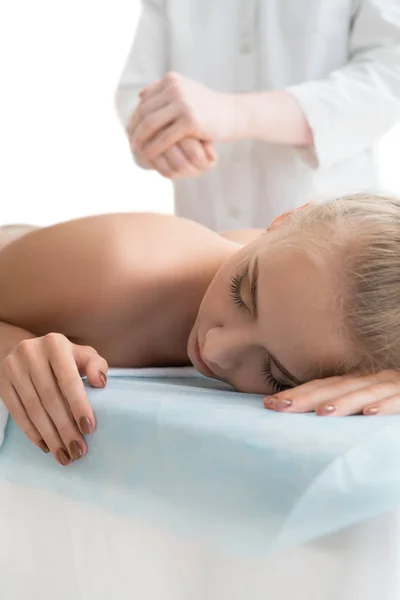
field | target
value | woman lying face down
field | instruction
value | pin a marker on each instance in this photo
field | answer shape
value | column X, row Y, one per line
column 311, row 304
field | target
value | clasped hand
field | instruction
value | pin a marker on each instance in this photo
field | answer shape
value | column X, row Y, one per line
column 175, row 125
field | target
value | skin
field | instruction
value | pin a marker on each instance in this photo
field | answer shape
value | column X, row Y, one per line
column 289, row 327
column 151, row 290
column 178, row 119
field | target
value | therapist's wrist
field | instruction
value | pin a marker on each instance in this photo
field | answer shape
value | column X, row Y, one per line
column 274, row 117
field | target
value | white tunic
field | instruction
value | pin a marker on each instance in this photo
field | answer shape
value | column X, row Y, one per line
column 339, row 58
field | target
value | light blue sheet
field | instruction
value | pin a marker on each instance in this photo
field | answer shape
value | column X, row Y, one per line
column 190, row 454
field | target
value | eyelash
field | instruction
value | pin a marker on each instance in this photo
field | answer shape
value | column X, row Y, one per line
column 277, row 386
column 234, row 289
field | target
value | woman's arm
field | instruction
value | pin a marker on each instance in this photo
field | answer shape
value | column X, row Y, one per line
column 70, row 280
column 41, row 386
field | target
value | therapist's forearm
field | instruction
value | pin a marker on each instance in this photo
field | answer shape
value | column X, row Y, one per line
column 274, row 117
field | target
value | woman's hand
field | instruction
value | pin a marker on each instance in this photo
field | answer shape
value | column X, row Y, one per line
column 41, row 385
column 377, row 394
column 175, row 108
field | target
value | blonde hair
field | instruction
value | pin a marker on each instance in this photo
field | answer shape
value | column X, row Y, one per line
column 363, row 232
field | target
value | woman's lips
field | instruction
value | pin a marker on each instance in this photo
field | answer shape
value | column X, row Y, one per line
column 201, row 362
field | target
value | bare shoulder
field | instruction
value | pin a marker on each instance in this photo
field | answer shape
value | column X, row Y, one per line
column 73, row 269
column 242, row 236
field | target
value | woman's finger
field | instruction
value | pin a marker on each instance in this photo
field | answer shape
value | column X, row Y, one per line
column 303, row 398
column 388, row 406
column 340, row 395
column 19, row 415
column 38, row 415
column 313, row 394
column 354, row 402
column 91, row 364
column 63, row 358
column 51, row 397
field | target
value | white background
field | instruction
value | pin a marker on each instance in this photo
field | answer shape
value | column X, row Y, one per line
column 63, row 153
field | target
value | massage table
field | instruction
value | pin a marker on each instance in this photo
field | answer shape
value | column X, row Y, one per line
column 192, row 491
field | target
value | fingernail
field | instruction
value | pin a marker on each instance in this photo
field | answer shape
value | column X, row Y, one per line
column 269, row 402
column 372, row 410
column 283, row 404
column 103, row 378
column 278, row 403
column 43, row 446
column 63, row 457
column 75, row 450
column 85, row 426
column 328, row 409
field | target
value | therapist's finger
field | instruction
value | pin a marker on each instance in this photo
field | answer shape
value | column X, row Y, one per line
column 196, row 154
column 210, row 151
column 144, row 109
column 154, row 88
column 180, row 165
column 152, row 124
column 162, row 165
column 167, row 137
column 145, row 92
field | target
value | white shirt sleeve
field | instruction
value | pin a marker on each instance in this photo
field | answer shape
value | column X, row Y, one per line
column 147, row 59
column 353, row 107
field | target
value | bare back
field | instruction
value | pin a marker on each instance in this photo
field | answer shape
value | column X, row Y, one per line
column 127, row 284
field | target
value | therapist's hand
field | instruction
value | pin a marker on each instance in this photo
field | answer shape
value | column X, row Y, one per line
column 188, row 158
column 41, row 386
column 175, row 108
column 377, row 394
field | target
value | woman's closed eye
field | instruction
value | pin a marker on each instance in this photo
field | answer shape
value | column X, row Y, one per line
column 277, row 386
column 235, row 285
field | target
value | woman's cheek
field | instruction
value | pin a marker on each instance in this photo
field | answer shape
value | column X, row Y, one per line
column 250, row 382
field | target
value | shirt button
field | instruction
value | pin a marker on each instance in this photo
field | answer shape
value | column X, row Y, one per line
column 234, row 212
column 245, row 48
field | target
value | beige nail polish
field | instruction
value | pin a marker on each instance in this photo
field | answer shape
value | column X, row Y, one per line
column 372, row 410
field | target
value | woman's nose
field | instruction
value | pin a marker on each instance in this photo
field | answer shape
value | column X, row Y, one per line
column 223, row 347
